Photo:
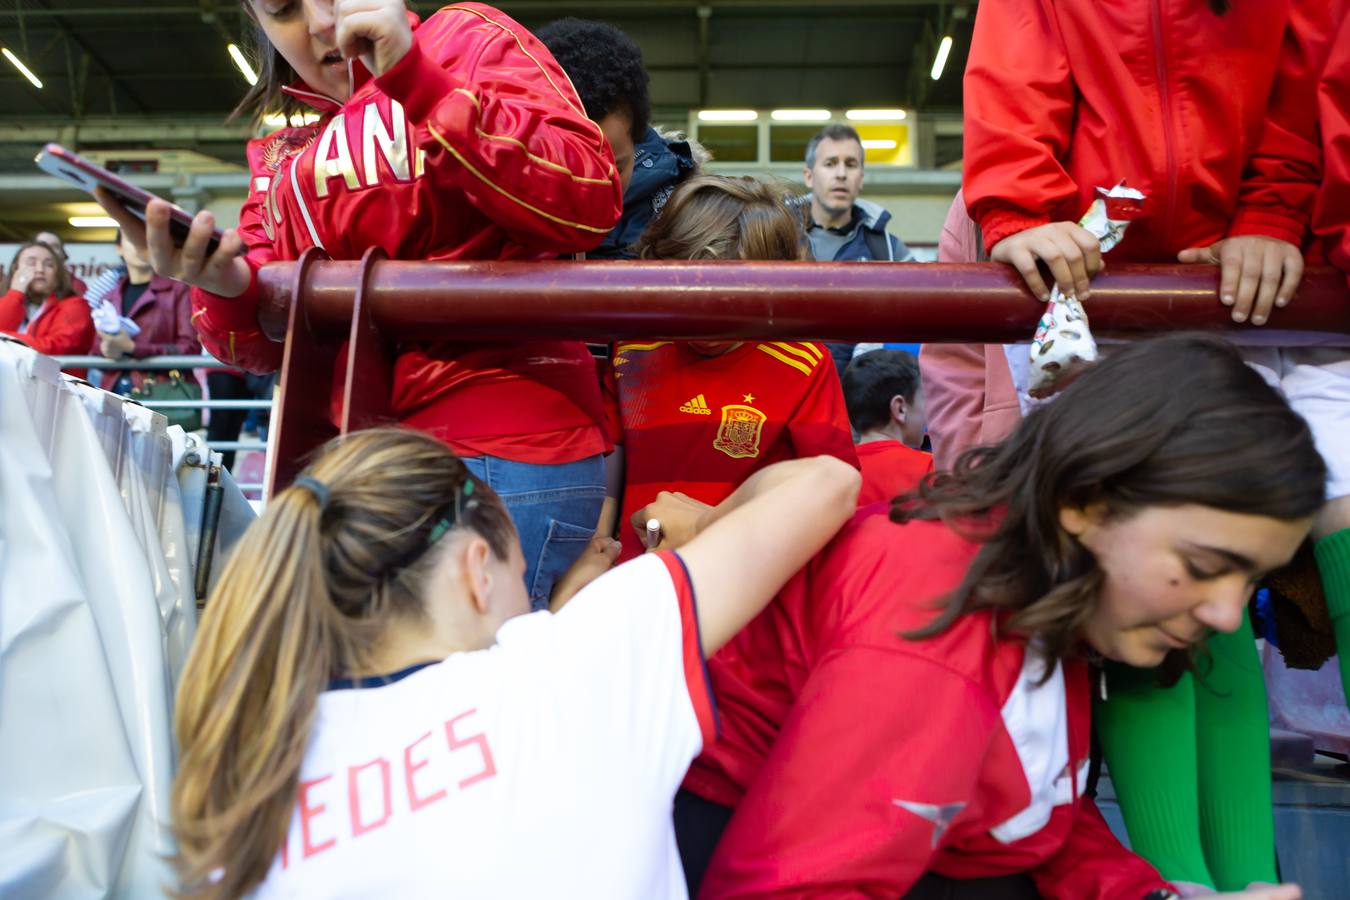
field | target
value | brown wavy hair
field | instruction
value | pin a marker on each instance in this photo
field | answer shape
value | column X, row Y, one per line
column 305, row 597
column 65, row 286
column 1166, row 422
column 720, row 217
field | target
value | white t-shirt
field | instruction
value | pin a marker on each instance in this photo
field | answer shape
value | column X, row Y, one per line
column 544, row 766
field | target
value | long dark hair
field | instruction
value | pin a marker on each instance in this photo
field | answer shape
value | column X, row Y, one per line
column 1166, row 422
column 274, row 73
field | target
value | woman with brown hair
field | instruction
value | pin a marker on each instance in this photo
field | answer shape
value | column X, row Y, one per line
column 700, row 417
column 41, row 307
column 924, row 733
column 369, row 711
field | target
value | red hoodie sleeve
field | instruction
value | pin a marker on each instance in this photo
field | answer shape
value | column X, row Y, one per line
column 1280, row 180
column 1092, row 864
column 228, row 326
column 1019, row 105
column 513, row 136
column 65, row 330
column 838, row 809
column 1331, row 221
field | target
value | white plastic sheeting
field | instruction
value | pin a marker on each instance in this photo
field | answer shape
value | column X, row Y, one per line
column 97, row 611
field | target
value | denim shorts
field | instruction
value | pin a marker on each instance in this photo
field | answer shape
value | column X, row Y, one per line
column 554, row 507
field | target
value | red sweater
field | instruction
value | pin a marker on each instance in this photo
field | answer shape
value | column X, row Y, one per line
column 857, row 759
column 58, row 328
column 702, row 425
column 1063, row 96
column 473, row 147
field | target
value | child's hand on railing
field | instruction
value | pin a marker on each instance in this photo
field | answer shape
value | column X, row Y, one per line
column 1068, row 250
column 1256, row 273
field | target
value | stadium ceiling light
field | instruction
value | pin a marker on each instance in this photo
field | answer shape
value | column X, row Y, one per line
column 727, row 115
column 238, row 56
column 800, row 115
column 92, row 222
column 879, row 144
column 24, row 70
column 940, row 63
column 876, row 115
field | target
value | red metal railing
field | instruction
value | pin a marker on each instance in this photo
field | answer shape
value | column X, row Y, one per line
column 315, row 305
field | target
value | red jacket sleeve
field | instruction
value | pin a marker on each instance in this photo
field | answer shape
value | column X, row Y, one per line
column 820, row 426
column 1019, row 105
column 1092, row 864
column 1331, row 221
column 839, row 809
column 1280, row 180
column 184, row 337
column 513, row 136
column 66, row 329
column 228, row 326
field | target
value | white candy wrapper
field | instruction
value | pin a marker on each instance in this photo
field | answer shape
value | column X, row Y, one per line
column 108, row 321
column 1063, row 344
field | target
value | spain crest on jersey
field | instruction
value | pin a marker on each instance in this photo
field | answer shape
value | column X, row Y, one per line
column 738, row 435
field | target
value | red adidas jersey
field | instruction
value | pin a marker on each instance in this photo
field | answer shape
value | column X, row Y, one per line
column 702, row 425
column 889, row 469
column 473, row 147
column 857, row 760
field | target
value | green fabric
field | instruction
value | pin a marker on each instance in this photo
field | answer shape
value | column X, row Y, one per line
column 1333, row 564
column 1237, row 817
column 1147, row 735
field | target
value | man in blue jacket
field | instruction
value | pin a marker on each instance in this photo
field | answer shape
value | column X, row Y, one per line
column 842, row 226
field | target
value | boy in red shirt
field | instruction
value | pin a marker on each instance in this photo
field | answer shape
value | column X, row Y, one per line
column 699, row 417
column 885, row 405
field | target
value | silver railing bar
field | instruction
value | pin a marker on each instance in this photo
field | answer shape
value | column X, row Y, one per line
column 236, row 445
column 198, row 361
column 206, row 404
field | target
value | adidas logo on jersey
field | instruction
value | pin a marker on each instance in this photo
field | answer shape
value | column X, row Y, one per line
column 697, row 407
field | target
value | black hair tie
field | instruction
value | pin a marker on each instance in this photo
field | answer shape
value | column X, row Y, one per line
column 315, row 487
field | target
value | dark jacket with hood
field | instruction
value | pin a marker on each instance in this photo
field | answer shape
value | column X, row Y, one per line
column 660, row 163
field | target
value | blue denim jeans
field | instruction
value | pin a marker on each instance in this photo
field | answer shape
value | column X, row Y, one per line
column 554, row 508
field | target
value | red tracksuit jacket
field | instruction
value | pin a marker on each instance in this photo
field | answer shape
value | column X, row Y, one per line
column 60, row 327
column 857, row 759
column 474, row 146
column 1063, row 96
column 1331, row 216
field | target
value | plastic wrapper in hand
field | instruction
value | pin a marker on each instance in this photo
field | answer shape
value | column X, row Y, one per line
column 108, row 321
column 1063, row 344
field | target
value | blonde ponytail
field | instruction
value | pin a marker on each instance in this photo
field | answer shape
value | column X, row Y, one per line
column 304, row 597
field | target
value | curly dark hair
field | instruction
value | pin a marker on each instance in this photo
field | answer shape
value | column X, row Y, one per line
column 605, row 67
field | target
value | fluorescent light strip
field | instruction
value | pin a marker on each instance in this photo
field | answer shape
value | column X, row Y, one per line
column 24, row 70
column 238, row 56
column 876, row 115
column 940, row 63
column 800, row 115
column 879, row 144
column 727, row 115
column 92, row 222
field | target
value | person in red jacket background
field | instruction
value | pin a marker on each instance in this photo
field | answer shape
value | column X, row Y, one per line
column 924, row 733
column 459, row 138
column 40, row 308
